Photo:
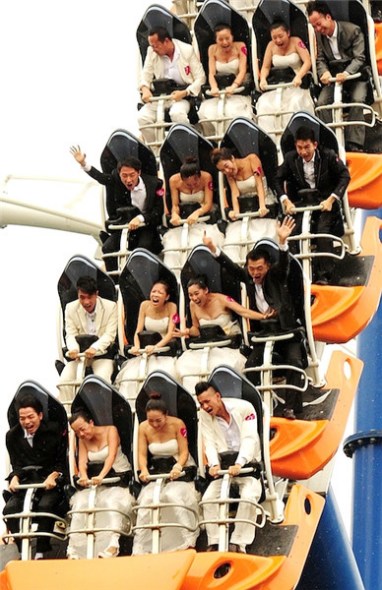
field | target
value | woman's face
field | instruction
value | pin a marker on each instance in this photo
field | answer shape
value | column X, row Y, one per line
column 83, row 429
column 280, row 37
column 198, row 295
column 192, row 182
column 158, row 295
column 228, row 167
column 224, row 39
column 156, row 419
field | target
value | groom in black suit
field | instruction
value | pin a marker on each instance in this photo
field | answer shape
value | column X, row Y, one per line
column 310, row 166
column 38, row 454
column 269, row 292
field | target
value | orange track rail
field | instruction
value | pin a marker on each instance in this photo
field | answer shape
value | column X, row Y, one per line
column 341, row 313
column 301, row 448
column 365, row 188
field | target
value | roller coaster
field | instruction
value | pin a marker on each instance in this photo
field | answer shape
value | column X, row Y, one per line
column 297, row 456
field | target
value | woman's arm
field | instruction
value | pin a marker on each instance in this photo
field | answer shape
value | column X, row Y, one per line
column 174, row 192
column 113, row 441
column 235, row 193
column 181, row 437
column 212, row 70
column 244, row 312
column 206, row 206
column 306, row 65
column 82, row 463
column 258, row 173
column 266, row 67
column 140, row 327
column 173, row 312
column 242, row 53
column 142, row 451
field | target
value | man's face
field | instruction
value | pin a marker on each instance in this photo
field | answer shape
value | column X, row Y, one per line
column 322, row 23
column 159, row 47
column 29, row 419
column 211, row 402
column 129, row 177
column 257, row 270
column 306, row 148
column 87, row 300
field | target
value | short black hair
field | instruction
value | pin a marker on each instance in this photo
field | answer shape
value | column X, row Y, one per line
column 202, row 386
column 257, row 254
column 28, row 400
column 161, row 32
column 130, row 162
column 305, row 133
column 87, row 284
column 318, row 6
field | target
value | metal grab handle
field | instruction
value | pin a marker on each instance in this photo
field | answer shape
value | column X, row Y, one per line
column 223, row 92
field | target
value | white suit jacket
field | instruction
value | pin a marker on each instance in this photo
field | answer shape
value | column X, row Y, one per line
column 190, row 68
column 106, row 324
column 243, row 413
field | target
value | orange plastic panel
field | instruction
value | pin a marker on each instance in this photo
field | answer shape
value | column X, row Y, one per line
column 378, row 46
column 340, row 313
column 365, row 188
column 162, row 572
column 301, row 448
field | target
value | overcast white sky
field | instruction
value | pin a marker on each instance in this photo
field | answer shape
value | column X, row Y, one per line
column 68, row 76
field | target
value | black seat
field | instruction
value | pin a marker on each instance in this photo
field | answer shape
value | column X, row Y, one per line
column 106, row 407
column 322, row 134
column 79, row 266
column 122, row 144
column 141, row 271
column 158, row 16
column 178, row 400
column 269, row 11
column 53, row 410
column 183, row 141
column 200, row 262
column 244, row 137
column 218, row 12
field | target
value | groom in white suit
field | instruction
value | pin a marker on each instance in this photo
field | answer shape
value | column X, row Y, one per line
column 92, row 315
column 229, row 425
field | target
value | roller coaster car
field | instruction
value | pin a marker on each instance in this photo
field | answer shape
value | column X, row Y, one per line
column 79, row 266
column 341, row 310
column 218, row 12
column 55, row 412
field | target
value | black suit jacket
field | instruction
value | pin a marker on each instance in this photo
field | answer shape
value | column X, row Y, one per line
column 49, row 451
column 117, row 195
column 275, row 288
column 351, row 45
column 331, row 175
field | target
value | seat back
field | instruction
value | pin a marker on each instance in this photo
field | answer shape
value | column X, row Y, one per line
column 178, row 400
column 158, row 16
column 53, row 410
column 183, row 141
column 219, row 12
column 141, row 271
column 323, row 135
column 106, row 407
column 122, row 144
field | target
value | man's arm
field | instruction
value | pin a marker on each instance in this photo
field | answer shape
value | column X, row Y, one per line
column 155, row 195
column 109, row 330
column 357, row 46
column 197, row 73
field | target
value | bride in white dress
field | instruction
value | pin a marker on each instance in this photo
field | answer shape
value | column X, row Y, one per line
column 283, row 51
column 191, row 187
column 226, row 57
column 165, row 436
column 211, row 309
column 245, row 176
column 99, row 452
column 156, row 314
